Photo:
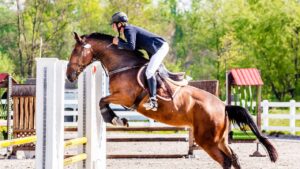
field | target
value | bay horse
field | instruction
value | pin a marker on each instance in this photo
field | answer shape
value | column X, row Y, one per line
column 205, row 113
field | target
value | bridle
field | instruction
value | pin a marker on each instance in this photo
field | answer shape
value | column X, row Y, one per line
column 81, row 66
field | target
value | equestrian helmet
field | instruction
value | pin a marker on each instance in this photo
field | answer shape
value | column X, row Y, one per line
column 119, row 17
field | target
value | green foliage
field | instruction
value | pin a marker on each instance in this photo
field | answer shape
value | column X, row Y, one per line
column 237, row 33
column 240, row 135
column 207, row 40
column 3, row 133
column 7, row 64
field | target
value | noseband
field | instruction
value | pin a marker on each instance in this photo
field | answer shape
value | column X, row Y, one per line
column 82, row 66
column 83, row 53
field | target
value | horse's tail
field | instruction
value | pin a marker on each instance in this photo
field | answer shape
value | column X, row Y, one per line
column 242, row 118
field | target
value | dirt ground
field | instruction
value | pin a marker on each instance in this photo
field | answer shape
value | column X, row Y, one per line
column 289, row 156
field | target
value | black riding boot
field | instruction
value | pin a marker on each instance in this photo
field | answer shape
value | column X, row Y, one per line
column 152, row 103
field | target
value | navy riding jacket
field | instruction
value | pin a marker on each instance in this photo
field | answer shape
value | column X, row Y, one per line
column 139, row 38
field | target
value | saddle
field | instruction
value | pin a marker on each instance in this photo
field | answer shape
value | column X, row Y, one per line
column 168, row 83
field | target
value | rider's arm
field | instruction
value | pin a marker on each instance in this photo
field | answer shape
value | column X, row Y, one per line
column 130, row 35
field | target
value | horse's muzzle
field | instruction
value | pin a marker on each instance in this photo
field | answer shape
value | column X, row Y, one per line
column 72, row 77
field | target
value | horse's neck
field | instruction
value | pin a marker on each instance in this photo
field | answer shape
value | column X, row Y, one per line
column 113, row 59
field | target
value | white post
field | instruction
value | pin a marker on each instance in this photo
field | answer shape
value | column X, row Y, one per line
column 100, row 128
column 9, row 111
column 90, row 122
column 265, row 116
column 60, row 107
column 81, row 128
column 50, row 115
column 48, row 83
column 293, row 117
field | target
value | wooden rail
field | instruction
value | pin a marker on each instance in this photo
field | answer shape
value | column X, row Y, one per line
column 118, row 156
column 146, row 129
column 146, row 139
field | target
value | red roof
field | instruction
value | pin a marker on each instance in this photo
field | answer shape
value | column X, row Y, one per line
column 246, row 77
column 3, row 79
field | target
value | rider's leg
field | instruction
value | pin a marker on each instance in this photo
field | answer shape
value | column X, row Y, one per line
column 152, row 103
column 152, row 67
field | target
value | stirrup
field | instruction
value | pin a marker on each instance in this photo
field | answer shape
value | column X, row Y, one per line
column 151, row 104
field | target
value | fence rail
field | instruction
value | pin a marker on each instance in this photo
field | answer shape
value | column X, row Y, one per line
column 136, row 119
column 292, row 116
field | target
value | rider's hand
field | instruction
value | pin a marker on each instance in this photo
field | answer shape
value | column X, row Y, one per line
column 115, row 40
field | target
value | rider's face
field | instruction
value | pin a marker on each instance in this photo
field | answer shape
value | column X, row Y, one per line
column 114, row 27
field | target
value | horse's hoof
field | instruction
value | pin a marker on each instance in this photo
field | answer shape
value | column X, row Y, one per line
column 125, row 122
column 120, row 122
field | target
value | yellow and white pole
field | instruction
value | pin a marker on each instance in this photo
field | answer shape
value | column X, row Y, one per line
column 18, row 141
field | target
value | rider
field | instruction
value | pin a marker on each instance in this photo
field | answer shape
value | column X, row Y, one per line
column 139, row 38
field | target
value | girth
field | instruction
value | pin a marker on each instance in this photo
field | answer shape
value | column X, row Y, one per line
column 138, row 100
column 141, row 96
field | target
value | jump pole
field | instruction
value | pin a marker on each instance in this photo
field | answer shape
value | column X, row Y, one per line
column 50, row 117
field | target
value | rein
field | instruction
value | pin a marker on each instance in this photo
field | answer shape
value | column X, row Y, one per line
column 108, row 73
column 122, row 70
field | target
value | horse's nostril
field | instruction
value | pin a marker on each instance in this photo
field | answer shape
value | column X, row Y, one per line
column 73, row 75
column 68, row 77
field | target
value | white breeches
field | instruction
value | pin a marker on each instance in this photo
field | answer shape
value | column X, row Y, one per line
column 157, row 59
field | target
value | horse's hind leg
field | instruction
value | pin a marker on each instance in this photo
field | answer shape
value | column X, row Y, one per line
column 217, row 154
column 207, row 142
column 230, row 153
column 235, row 160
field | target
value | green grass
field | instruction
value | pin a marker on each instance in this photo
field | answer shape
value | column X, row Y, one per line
column 272, row 122
column 279, row 122
column 297, row 123
column 240, row 135
column 279, row 111
column 2, row 131
column 282, row 122
column 245, row 137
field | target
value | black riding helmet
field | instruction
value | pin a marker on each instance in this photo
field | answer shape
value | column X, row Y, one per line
column 119, row 17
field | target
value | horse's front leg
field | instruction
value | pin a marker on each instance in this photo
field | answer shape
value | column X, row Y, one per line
column 108, row 114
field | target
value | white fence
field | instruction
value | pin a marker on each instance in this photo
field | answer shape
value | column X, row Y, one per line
column 140, row 120
column 49, row 121
column 292, row 116
column 136, row 119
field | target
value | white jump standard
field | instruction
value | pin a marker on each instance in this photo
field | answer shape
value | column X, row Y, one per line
column 50, row 118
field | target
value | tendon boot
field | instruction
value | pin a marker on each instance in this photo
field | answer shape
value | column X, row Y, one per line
column 151, row 104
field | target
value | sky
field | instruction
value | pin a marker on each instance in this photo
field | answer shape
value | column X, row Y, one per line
column 184, row 5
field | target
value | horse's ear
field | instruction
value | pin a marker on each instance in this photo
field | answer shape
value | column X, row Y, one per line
column 77, row 38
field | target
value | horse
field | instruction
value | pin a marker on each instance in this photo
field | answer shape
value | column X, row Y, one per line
column 207, row 116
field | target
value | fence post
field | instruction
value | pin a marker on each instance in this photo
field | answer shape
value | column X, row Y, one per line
column 90, row 122
column 49, row 92
column 265, row 116
column 293, row 117
column 9, row 112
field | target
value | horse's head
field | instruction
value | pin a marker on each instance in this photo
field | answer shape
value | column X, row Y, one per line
column 98, row 46
column 82, row 56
